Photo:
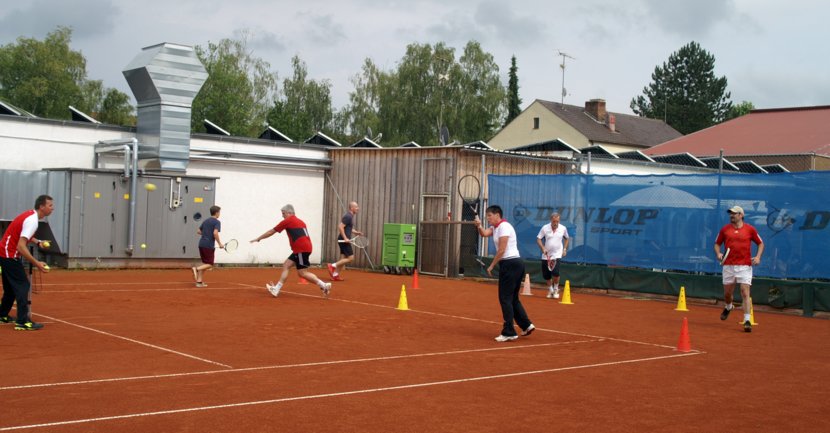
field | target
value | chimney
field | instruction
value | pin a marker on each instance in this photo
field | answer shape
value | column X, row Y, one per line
column 164, row 79
column 596, row 108
column 612, row 122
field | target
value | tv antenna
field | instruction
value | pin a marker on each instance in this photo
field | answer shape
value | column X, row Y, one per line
column 562, row 66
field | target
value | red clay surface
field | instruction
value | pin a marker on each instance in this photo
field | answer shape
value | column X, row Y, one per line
column 144, row 350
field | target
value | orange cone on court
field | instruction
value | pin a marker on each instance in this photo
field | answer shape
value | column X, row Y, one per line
column 303, row 281
column 681, row 300
column 402, row 304
column 566, row 295
column 415, row 279
column 751, row 314
column 526, row 286
column 683, row 344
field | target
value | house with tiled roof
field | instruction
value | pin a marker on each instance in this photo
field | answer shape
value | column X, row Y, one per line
column 796, row 139
column 582, row 127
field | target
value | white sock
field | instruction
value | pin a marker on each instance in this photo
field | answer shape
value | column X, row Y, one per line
column 556, row 287
column 321, row 284
column 729, row 306
column 278, row 286
column 746, row 317
column 550, row 288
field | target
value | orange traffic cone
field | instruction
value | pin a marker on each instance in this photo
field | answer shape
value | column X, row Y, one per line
column 526, row 286
column 303, row 281
column 415, row 279
column 681, row 300
column 683, row 344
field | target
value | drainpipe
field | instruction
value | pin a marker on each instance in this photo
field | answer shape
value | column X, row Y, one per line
column 133, row 189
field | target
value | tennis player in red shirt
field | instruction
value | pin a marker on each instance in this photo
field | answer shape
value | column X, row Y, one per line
column 737, row 237
column 300, row 243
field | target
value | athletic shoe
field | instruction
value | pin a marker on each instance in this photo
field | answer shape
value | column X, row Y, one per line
column 332, row 269
column 200, row 284
column 725, row 314
column 326, row 290
column 555, row 293
column 6, row 319
column 503, row 338
column 529, row 330
column 195, row 273
column 550, row 294
column 28, row 326
column 747, row 326
column 337, row 278
column 272, row 288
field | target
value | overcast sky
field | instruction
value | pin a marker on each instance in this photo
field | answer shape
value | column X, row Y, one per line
column 773, row 53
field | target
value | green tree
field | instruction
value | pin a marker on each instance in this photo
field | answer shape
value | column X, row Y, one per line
column 42, row 77
column 428, row 90
column 739, row 110
column 239, row 89
column 305, row 106
column 116, row 109
column 513, row 101
column 685, row 92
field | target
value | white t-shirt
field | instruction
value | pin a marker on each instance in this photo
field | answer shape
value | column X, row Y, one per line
column 553, row 240
column 505, row 229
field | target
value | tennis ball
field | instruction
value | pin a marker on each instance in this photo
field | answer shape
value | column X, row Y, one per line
column 143, row 246
column 46, row 244
column 150, row 186
column 46, row 267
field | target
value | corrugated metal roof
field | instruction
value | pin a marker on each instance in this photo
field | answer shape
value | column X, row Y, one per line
column 761, row 132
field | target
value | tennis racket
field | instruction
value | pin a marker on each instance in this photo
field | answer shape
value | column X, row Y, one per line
column 358, row 241
column 231, row 245
column 551, row 264
column 725, row 255
column 469, row 188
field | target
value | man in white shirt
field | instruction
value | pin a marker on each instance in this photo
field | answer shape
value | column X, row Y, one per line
column 511, row 271
column 553, row 241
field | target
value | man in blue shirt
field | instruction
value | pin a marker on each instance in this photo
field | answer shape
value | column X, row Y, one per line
column 209, row 236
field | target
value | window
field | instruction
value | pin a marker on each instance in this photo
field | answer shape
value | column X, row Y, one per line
column 535, row 123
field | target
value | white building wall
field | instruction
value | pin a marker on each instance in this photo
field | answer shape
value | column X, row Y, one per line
column 250, row 195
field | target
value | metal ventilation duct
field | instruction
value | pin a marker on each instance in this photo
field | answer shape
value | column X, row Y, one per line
column 164, row 79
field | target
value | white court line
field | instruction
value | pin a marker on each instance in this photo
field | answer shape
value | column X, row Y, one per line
column 341, row 394
column 189, row 289
column 472, row 319
column 307, row 364
column 164, row 349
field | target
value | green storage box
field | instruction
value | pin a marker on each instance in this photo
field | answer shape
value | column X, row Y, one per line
column 399, row 247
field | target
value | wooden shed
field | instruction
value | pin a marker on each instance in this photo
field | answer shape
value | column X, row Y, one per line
column 419, row 186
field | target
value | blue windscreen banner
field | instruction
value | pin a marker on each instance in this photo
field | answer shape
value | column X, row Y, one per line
column 670, row 222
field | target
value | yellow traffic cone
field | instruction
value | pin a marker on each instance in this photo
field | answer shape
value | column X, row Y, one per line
column 526, row 286
column 681, row 301
column 751, row 314
column 402, row 304
column 566, row 297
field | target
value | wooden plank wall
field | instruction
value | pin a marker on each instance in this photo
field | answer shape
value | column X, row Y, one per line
column 387, row 182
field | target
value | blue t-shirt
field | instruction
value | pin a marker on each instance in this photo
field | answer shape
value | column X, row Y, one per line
column 348, row 222
column 207, row 240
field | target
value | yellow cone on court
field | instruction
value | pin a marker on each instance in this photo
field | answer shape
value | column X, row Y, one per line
column 402, row 304
column 566, row 296
column 751, row 314
column 681, row 300
column 526, row 286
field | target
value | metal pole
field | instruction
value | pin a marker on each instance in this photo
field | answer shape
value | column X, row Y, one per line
column 133, row 189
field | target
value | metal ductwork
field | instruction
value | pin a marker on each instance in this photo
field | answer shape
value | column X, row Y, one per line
column 165, row 79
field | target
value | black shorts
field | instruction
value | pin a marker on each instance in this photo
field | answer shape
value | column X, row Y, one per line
column 546, row 274
column 207, row 255
column 345, row 248
column 300, row 259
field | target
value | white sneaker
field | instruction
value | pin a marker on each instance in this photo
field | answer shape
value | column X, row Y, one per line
column 555, row 293
column 550, row 294
column 528, row 331
column 326, row 290
column 273, row 289
column 503, row 338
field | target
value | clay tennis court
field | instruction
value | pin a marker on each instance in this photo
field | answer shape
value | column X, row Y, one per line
column 139, row 350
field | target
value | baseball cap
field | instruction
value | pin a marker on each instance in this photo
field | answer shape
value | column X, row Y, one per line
column 735, row 209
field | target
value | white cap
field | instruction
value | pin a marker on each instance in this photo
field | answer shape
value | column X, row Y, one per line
column 736, row 209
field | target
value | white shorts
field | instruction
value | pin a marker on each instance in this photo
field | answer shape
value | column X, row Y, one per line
column 741, row 274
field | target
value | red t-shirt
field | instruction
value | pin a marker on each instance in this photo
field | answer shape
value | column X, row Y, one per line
column 738, row 242
column 297, row 234
column 24, row 225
